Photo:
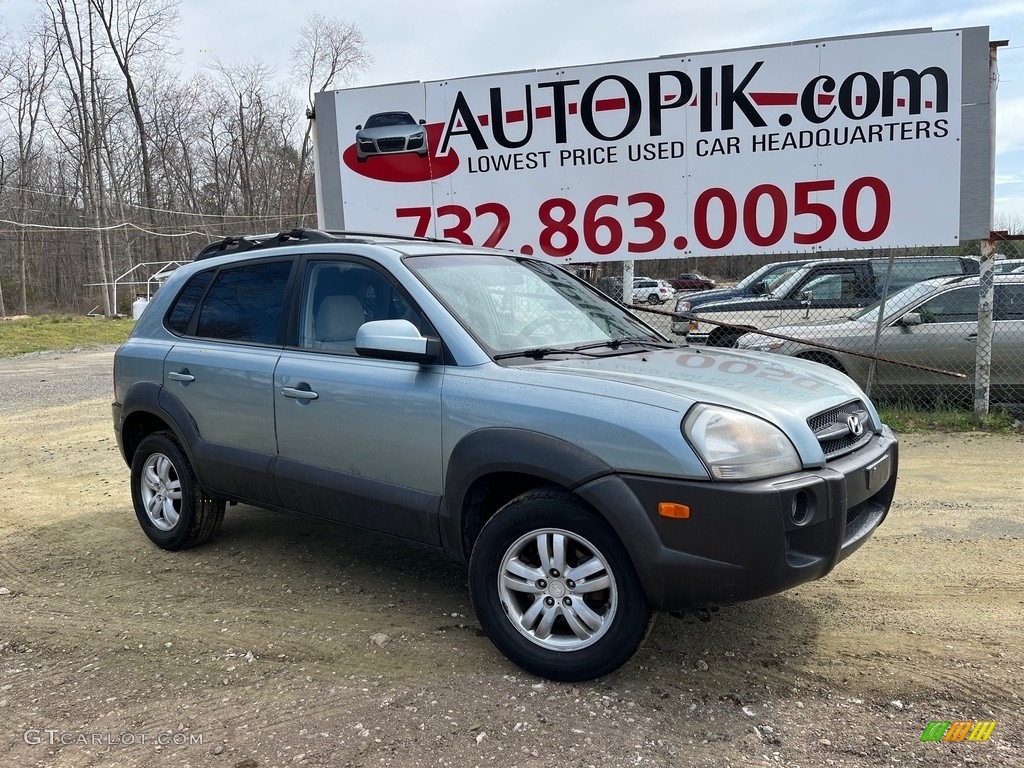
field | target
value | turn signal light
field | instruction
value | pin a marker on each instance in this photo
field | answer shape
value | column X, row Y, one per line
column 676, row 511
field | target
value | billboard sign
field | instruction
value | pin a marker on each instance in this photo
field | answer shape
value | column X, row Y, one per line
column 823, row 145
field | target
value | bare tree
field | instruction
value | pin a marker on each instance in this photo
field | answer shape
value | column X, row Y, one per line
column 106, row 152
column 137, row 30
column 31, row 73
column 76, row 48
column 328, row 50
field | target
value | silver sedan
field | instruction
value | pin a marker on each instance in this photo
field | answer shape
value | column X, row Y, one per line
column 927, row 342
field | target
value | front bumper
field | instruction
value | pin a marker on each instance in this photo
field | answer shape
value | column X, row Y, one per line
column 747, row 540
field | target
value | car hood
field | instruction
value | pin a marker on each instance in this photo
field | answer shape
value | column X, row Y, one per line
column 716, row 294
column 817, row 331
column 786, row 391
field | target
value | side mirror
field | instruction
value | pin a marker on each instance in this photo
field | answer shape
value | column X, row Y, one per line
column 359, row 127
column 910, row 319
column 395, row 340
column 423, row 122
column 759, row 288
column 807, row 295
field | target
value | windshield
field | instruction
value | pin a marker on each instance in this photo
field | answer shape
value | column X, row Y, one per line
column 898, row 302
column 768, row 272
column 389, row 118
column 511, row 304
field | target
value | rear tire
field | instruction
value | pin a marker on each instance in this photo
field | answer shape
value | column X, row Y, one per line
column 555, row 589
column 173, row 510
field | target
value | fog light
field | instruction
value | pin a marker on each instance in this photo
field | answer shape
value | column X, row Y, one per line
column 801, row 512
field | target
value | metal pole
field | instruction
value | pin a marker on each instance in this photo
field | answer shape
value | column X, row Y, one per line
column 878, row 324
column 627, row 282
column 986, row 292
column 983, row 358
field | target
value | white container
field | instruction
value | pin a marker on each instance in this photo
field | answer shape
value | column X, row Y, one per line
column 138, row 306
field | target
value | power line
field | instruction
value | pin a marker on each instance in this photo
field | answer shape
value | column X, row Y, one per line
column 121, row 225
column 36, row 191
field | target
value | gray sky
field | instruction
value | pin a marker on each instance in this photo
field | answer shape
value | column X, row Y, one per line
column 456, row 38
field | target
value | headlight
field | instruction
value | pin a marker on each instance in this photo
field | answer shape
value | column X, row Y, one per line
column 417, row 136
column 738, row 446
column 759, row 343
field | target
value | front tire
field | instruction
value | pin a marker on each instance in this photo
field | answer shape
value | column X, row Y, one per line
column 555, row 589
column 173, row 510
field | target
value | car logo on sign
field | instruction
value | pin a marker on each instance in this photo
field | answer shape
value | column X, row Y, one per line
column 853, row 423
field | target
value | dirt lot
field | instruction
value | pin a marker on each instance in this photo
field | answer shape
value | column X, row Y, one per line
column 288, row 642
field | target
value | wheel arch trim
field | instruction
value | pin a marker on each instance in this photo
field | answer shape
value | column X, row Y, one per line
column 500, row 450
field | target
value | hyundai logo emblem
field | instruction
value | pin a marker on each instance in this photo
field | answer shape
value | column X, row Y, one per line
column 854, row 425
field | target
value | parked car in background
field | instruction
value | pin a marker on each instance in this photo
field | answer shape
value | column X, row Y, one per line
column 817, row 291
column 1008, row 265
column 692, row 281
column 933, row 323
column 650, row 291
column 757, row 283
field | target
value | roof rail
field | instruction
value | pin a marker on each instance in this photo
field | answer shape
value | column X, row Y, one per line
column 242, row 243
column 386, row 235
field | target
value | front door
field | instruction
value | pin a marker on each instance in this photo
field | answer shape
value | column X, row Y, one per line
column 359, row 439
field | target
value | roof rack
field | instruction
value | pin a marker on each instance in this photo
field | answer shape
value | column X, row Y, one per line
column 242, row 243
column 386, row 235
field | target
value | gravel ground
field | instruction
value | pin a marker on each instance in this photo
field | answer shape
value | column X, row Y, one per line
column 288, row 642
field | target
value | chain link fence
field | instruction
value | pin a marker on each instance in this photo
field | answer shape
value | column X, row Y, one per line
column 904, row 324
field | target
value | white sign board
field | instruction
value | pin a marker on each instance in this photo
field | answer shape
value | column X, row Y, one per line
column 826, row 145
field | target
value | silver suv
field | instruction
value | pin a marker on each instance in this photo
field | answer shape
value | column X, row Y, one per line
column 499, row 409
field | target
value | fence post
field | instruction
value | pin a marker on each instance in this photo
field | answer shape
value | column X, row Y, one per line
column 873, row 366
column 983, row 359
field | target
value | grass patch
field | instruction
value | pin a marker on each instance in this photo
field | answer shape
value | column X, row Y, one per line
column 904, row 419
column 56, row 332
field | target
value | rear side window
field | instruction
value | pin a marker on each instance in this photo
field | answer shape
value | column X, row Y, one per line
column 910, row 272
column 181, row 312
column 1009, row 302
column 245, row 303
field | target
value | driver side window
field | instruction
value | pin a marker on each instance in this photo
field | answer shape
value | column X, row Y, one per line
column 339, row 296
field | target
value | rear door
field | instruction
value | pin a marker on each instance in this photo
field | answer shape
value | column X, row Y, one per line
column 1008, row 342
column 221, row 373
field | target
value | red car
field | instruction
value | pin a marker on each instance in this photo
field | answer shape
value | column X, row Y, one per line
column 692, row 281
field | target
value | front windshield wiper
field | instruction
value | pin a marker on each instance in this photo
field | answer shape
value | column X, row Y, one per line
column 583, row 349
column 538, row 352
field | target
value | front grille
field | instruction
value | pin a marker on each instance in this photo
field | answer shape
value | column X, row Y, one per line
column 391, row 145
column 832, row 428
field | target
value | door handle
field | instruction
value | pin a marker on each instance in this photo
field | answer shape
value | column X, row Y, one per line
column 184, row 376
column 300, row 394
